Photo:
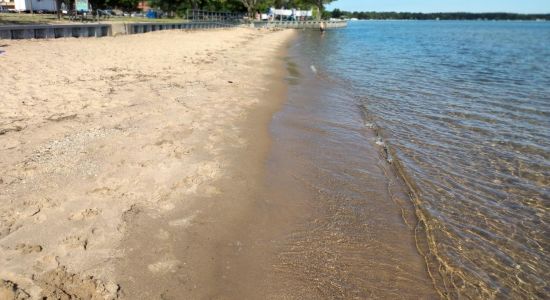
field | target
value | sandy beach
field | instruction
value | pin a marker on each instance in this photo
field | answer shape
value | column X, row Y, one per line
column 97, row 135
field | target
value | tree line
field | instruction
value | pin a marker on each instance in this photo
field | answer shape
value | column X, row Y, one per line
column 179, row 7
column 336, row 13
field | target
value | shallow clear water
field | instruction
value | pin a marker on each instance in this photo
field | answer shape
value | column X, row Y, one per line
column 464, row 111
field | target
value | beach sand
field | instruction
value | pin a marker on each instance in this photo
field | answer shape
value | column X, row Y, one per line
column 98, row 135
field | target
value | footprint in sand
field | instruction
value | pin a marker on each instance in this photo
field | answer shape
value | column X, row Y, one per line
column 163, row 234
column 46, row 262
column 74, row 241
column 164, row 266
column 28, row 249
column 10, row 290
column 85, row 214
column 183, row 222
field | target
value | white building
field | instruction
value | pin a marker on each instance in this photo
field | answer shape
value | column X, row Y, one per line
column 294, row 13
column 7, row 4
column 35, row 5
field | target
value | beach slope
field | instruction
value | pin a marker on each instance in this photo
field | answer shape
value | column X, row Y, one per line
column 95, row 131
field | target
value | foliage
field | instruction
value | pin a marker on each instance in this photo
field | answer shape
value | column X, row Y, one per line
column 325, row 15
column 251, row 6
column 336, row 13
column 319, row 3
column 123, row 4
column 181, row 6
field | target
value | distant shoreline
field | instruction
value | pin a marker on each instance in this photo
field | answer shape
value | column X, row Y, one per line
column 455, row 16
column 479, row 20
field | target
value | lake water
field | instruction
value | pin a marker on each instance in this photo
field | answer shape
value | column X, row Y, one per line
column 462, row 113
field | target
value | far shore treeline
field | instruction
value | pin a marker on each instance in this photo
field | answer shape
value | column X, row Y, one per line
column 336, row 13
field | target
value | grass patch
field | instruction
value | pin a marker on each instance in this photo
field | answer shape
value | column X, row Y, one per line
column 28, row 19
column 22, row 19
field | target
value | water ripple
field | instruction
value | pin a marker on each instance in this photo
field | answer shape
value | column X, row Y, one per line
column 466, row 108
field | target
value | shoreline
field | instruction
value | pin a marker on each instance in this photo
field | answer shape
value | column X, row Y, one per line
column 357, row 239
column 80, row 170
column 204, row 242
column 206, row 168
column 471, row 182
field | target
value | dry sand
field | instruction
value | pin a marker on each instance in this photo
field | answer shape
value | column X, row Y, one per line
column 93, row 131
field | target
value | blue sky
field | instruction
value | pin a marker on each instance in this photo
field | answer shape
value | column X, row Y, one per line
column 517, row 6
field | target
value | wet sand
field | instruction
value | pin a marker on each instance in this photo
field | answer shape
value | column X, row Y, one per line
column 312, row 212
column 214, row 245
column 356, row 239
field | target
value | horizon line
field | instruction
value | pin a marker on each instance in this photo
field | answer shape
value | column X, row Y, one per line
column 445, row 12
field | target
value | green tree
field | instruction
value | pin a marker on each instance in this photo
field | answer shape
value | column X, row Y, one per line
column 251, row 6
column 122, row 4
column 336, row 13
column 320, row 4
